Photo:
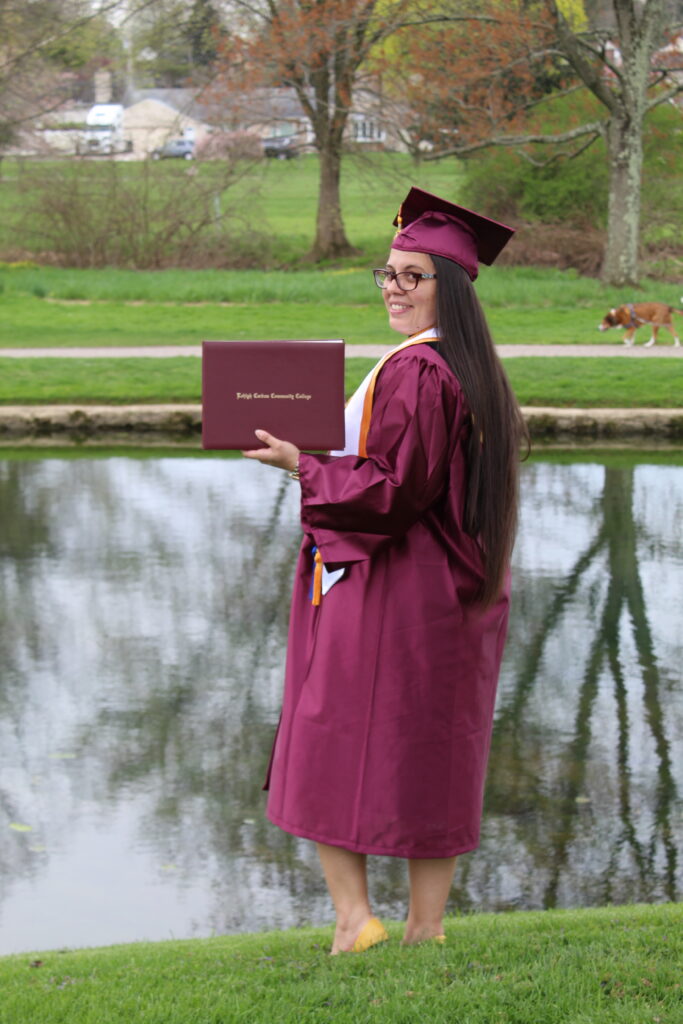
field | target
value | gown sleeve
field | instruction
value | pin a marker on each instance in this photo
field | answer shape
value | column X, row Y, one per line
column 352, row 507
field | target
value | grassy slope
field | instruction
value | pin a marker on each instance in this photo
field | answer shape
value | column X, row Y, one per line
column 613, row 966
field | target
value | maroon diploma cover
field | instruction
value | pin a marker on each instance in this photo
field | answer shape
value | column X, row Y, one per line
column 292, row 389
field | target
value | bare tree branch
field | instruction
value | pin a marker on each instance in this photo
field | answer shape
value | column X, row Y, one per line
column 596, row 128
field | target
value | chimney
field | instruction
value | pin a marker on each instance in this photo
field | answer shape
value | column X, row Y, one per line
column 103, row 86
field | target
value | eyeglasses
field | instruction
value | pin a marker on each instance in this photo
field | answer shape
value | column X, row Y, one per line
column 407, row 280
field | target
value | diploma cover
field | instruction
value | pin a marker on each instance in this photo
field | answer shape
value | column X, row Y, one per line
column 292, row 389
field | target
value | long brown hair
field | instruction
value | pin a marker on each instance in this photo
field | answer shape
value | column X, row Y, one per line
column 498, row 432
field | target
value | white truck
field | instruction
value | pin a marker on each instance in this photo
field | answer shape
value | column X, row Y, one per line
column 104, row 129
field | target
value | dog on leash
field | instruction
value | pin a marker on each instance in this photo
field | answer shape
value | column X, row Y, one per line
column 632, row 316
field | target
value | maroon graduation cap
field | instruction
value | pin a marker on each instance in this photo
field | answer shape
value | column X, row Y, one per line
column 427, row 223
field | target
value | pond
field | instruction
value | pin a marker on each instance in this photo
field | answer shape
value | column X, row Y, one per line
column 143, row 611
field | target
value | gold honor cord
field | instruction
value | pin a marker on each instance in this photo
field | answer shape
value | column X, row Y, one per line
column 317, row 578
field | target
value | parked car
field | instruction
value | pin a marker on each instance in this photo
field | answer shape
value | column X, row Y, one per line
column 280, row 147
column 181, row 148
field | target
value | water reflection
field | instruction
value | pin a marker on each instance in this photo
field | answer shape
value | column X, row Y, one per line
column 143, row 618
column 589, row 715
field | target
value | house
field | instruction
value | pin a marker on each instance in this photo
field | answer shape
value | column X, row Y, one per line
column 153, row 116
column 267, row 113
column 277, row 113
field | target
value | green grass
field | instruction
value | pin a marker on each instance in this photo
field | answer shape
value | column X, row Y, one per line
column 282, row 198
column 505, row 287
column 617, row 965
column 51, row 307
column 100, row 381
column 29, row 322
column 583, row 383
column 597, row 382
column 341, row 286
column 39, row 324
column 117, row 381
column 372, row 186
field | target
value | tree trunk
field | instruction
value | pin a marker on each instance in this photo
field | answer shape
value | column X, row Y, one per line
column 330, row 237
column 639, row 27
column 625, row 152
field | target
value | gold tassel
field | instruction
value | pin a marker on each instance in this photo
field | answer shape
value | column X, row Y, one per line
column 318, row 579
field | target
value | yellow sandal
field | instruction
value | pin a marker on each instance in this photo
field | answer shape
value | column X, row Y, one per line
column 371, row 934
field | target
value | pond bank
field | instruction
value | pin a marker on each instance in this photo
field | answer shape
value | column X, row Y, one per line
column 616, row 964
column 182, row 422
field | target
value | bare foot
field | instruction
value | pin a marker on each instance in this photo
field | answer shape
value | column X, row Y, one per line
column 345, row 935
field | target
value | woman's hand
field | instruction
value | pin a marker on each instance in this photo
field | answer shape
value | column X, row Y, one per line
column 281, row 454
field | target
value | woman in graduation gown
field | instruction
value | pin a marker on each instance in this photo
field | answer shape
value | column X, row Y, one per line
column 401, row 597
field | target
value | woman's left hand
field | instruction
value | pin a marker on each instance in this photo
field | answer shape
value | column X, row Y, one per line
column 282, row 454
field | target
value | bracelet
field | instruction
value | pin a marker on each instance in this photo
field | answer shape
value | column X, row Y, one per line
column 294, row 475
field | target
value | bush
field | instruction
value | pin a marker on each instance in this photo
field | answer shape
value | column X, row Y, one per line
column 561, row 209
column 662, row 196
column 230, row 146
column 506, row 183
column 574, row 191
column 94, row 213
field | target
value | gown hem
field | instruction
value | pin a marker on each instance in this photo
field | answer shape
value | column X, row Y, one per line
column 372, row 849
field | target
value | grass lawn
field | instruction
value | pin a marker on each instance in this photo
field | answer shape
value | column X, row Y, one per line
column 506, row 287
column 41, row 324
column 597, row 382
column 37, row 323
column 281, row 197
column 583, row 383
column 52, row 307
column 616, row 965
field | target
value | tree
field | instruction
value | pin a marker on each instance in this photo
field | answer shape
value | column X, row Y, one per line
column 39, row 41
column 161, row 51
column 513, row 58
column 317, row 49
column 627, row 88
column 171, row 43
column 203, row 30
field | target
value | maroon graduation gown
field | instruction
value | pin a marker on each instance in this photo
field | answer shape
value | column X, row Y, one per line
column 390, row 682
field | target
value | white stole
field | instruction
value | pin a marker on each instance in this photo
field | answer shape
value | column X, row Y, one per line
column 354, row 407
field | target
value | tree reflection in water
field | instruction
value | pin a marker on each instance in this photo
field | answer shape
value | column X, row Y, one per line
column 597, row 792
column 144, row 611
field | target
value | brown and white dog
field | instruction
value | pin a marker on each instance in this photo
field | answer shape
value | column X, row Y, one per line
column 632, row 316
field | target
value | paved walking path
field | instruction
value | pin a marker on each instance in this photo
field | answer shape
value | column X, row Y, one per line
column 369, row 351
